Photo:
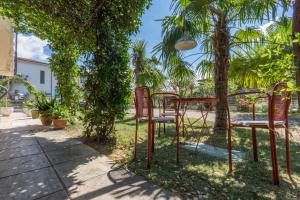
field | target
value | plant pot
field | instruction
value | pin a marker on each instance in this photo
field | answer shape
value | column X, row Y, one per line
column 46, row 120
column 60, row 123
column 28, row 112
column 6, row 111
column 34, row 114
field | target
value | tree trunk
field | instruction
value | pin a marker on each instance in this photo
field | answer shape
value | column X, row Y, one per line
column 296, row 45
column 221, row 47
column 139, row 68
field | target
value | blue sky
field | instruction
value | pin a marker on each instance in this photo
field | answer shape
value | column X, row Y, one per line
column 35, row 48
column 151, row 29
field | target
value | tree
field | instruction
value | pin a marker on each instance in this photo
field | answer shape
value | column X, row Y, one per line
column 65, row 51
column 217, row 27
column 264, row 65
column 296, row 44
column 138, row 58
column 146, row 71
column 180, row 74
column 101, row 29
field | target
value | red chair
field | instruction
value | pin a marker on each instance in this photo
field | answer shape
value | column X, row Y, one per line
column 144, row 113
column 278, row 106
column 169, row 108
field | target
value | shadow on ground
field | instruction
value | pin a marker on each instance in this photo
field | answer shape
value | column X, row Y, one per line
column 201, row 176
column 57, row 166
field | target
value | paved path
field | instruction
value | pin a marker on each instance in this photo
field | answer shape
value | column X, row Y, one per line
column 42, row 163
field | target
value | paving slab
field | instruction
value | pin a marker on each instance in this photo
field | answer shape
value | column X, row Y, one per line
column 60, row 195
column 118, row 184
column 23, row 164
column 17, row 142
column 57, row 145
column 42, row 163
column 29, row 185
column 19, row 152
column 81, row 169
column 72, row 153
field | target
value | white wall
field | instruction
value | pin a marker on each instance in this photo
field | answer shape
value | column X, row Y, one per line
column 32, row 70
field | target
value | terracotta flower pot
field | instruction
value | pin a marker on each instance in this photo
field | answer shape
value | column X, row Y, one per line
column 34, row 114
column 46, row 120
column 60, row 123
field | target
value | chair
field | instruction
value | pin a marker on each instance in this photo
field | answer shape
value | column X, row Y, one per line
column 144, row 113
column 278, row 105
column 169, row 109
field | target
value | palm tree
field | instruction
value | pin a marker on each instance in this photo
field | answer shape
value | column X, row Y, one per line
column 181, row 76
column 138, row 57
column 249, row 67
column 146, row 71
column 216, row 25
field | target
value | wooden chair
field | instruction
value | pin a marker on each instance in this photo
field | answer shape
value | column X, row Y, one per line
column 144, row 113
column 278, row 106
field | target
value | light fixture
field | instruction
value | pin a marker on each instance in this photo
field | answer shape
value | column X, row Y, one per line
column 185, row 43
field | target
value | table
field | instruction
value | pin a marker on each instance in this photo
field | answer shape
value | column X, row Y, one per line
column 203, row 113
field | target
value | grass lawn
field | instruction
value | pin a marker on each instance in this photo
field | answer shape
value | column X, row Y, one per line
column 201, row 175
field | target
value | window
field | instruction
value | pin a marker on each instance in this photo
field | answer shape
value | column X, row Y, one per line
column 42, row 77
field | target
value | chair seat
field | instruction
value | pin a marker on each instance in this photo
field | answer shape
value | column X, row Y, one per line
column 158, row 119
column 169, row 113
column 164, row 119
column 256, row 123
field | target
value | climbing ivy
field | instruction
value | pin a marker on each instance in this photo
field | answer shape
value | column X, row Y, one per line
column 101, row 29
column 63, row 63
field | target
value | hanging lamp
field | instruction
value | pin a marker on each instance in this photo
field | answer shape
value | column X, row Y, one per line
column 185, row 43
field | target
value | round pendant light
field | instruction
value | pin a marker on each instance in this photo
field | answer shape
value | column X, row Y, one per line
column 185, row 43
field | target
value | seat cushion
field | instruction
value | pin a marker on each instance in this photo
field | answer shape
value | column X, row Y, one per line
column 169, row 113
column 164, row 119
column 256, row 123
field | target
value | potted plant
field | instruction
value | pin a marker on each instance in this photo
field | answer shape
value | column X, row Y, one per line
column 5, row 110
column 60, row 115
column 44, row 105
column 31, row 105
column 28, row 105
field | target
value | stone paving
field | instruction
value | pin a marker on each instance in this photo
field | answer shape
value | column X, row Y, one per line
column 38, row 162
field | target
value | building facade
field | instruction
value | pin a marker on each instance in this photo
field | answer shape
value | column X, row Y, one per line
column 37, row 73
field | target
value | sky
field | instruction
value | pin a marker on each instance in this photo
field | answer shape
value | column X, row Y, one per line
column 30, row 46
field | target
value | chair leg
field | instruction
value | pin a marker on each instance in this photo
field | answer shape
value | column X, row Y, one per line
column 182, row 123
column 229, row 150
column 164, row 128
column 158, row 129
column 149, row 146
column 274, row 158
column 287, row 151
column 153, row 135
column 135, row 138
column 177, row 140
column 254, row 144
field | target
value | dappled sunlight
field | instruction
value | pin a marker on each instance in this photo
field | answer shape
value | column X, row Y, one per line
column 198, row 171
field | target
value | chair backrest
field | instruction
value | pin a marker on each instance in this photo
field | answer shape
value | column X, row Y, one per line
column 279, row 103
column 168, row 103
column 143, row 102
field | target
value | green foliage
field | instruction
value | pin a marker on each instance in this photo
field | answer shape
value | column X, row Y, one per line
column 145, row 69
column 44, row 104
column 59, row 112
column 100, row 30
column 30, row 103
column 263, row 66
column 205, row 88
column 63, row 63
column 4, row 102
column 17, row 79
